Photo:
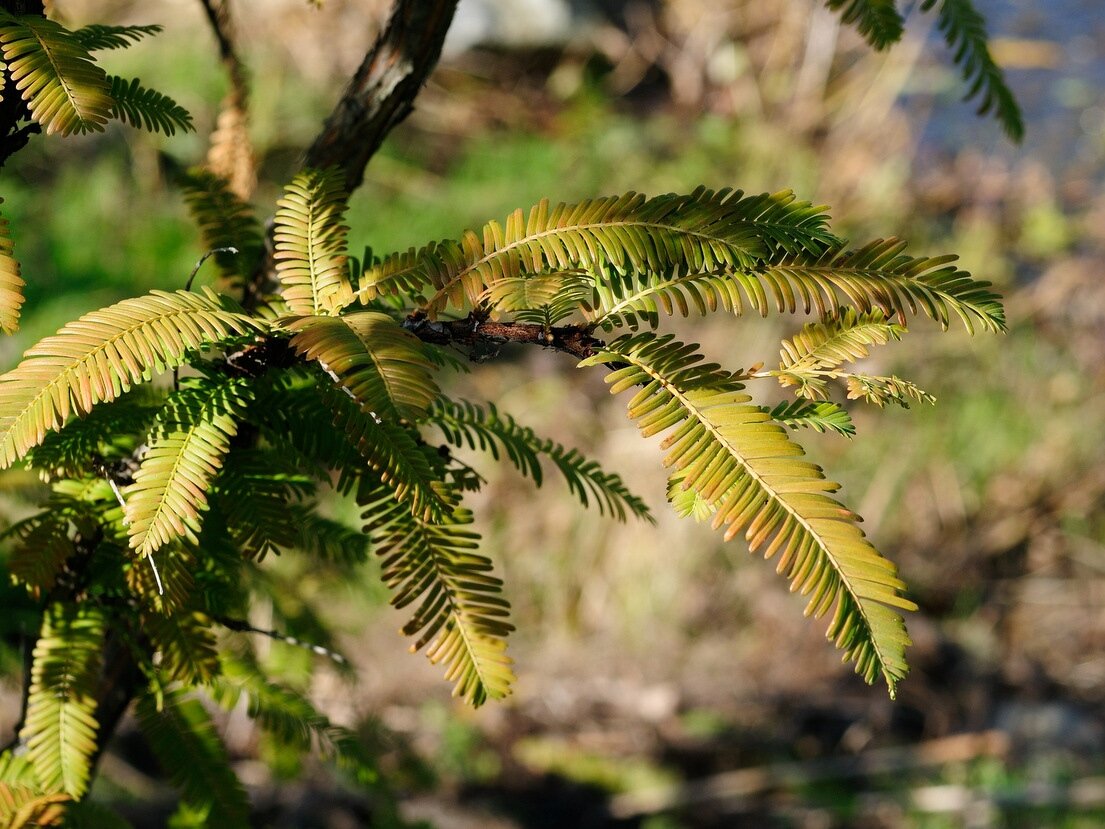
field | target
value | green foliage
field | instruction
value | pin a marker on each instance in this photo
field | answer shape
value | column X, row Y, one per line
column 877, row 20
column 184, row 741
column 308, row 370
column 545, row 299
column 147, row 108
column 291, row 719
column 63, row 87
column 60, row 726
column 43, row 544
column 11, row 282
column 964, row 29
column 101, row 355
column 310, row 242
column 665, row 235
column 814, row 354
column 821, row 417
column 96, row 36
column 395, row 453
column 66, row 92
column 488, row 429
column 190, row 437
column 374, row 361
column 743, row 465
column 227, row 224
column 460, row 615
column 186, row 646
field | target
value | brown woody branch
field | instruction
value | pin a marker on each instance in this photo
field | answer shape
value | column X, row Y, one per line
column 382, row 91
column 476, row 330
column 379, row 96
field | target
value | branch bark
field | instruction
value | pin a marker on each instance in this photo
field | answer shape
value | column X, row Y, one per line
column 476, row 330
column 382, row 91
column 379, row 96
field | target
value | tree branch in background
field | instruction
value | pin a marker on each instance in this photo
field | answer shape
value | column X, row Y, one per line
column 379, row 96
column 231, row 153
column 382, row 91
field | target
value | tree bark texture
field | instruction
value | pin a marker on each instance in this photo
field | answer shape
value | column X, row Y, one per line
column 382, row 91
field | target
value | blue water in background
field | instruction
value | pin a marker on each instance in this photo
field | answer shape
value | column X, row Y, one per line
column 1064, row 104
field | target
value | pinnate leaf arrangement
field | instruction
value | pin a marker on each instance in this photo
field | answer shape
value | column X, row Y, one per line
column 187, row 435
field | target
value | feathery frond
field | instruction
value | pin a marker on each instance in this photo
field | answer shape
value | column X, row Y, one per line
column 735, row 458
column 11, row 281
column 184, row 741
column 670, row 235
column 280, row 711
column 837, row 339
column 176, row 566
column 102, row 354
column 459, row 613
column 880, row 275
column 395, row 454
column 255, row 492
column 65, row 90
column 186, row 645
column 23, row 807
column 545, row 299
column 883, row 390
column 96, row 37
column 16, row 769
column 489, row 430
column 877, row 276
column 965, row 32
column 819, row 416
column 106, row 434
column 687, row 503
column 225, row 221
column 820, row 347
column 371, row 358
column 23, row 803
column 878, row 21
column 310, row 236
column 60, row 727
column 287, row 409
column 290, row 717
column 147, row 108
column 44, row 545
column 626, row 300
column 328, row 540
column 187, row 444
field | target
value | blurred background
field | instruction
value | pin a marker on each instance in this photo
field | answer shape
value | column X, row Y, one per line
column 669, row 680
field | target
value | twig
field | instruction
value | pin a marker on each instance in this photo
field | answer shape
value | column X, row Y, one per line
column 149, row 557
column 475, row 329
column 204, row 258
column 245, row 627
column 744, row 783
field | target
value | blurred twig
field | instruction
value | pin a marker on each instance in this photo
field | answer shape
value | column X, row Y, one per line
column 231, row 153
column 745, row 783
